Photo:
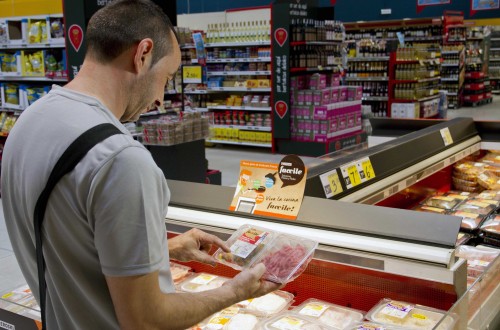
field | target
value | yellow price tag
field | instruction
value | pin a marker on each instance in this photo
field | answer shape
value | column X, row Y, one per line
column 368, row 169
column 192, row 74
column 446, row 135
column 354, row 177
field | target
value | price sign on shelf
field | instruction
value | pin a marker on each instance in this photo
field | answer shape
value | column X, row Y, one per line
column 446, row 135
column 357, row 172
column 192, row 74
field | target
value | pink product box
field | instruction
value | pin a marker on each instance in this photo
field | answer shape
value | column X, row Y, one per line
column 316, row 126
column 308, row 126
column 335, row 96
column 354, row 93
column 323, row 126
column 351, row 120
column 301, row 82
column 301, row 97
column 335, row 80
column 333, row 124
column 358, row 118
column 294, row 83
column 343, row 94
column 308, row 99
column 301, row 126
column 342, row 122
column 294, row 94
column 320, row 112
column 317, row 81
column 320, row 138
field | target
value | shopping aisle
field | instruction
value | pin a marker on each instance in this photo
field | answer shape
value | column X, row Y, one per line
column 486, row 112
column 10, row 273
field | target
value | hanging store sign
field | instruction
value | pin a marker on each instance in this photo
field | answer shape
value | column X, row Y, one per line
column 477, row 5
column 269, row 189
column 421, row 4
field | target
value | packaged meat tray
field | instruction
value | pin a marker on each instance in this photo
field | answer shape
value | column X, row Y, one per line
column 489, row 194
column 409, row 316
column 423, row 208
column 231, row 318
column 478, row 206
column 269, row 304
column 285, row 256
column 366, row 325
column 491, row 227
column 470, row 221
column 471, row 168
column 462, row 195
column 489, row 180
column 201, row 282
column 442, row 202
column 333, row 316
column 179, row 272
column 462, row 238
column 457, row 182
column 478, row 259
column 291, row 321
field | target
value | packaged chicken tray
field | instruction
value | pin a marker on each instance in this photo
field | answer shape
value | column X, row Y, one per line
column 291, row 321
column 462, row 238
column 269, row 304
column 331, row 315
column 478, row 259
column 285, row 256
column 410, row 316
column 490, row 194
column 442, row 202
column 431, row 209
column 479, row 206
column 470, row 221
column 201, row 282
column 179, row 272
column 491, row 227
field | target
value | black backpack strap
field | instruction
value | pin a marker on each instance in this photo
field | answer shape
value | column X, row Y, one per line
column 66, row 163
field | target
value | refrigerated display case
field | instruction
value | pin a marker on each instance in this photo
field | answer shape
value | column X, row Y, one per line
column 370, row 247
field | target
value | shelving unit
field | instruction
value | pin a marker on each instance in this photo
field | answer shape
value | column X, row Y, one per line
column 494, row 60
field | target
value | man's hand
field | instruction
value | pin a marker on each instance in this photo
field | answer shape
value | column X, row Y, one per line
column 195, row 245
column 248, row 284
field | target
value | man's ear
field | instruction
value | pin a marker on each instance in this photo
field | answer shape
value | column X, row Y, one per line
column 143, row 55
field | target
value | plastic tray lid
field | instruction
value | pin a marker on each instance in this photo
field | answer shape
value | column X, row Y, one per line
column 286, row 258
column 367, row 325
column 179, row 272
column 290, row 321
column 491, row 227
column 331, row 315
column 201, row 282
column 269, row 304
column 442, row 202
column 410, row 316
column 246, row 244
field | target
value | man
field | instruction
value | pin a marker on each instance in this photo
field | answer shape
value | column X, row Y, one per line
column 105, row 246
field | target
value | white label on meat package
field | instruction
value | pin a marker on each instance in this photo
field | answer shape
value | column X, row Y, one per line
column 313, row 309
column 396, row 309
column 247, row 242
column 475, row 263
column 288, row 323
column 203, row 279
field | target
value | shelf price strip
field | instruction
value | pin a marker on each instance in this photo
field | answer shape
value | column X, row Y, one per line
column 357, row 172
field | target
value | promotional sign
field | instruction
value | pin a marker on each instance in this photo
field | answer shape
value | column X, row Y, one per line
column 271, row 189
column 483, row 5
column 421, row 4
column 192, row 74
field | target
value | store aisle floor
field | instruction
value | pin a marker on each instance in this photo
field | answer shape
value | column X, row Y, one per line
column 490, row 111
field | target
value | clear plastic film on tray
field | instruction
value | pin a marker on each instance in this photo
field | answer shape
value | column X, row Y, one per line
column 285, row 256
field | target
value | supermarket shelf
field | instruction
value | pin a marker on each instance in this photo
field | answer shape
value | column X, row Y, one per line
column 314, row 69
column 24, row 78
column 248, row 108
column 171, row 92
column 495, row 49
column 246, row 128
column 449, row 79
column 450, row 64
column 495, row 39
column 315, row 43
column 407, row 81
column 494, row 59
column 368, row 59
column 187, row 46
column 417, row 100
column 153, row 113
column 238, row 44
column 436, row 60
column 197, row 91
column 475, row 38
column 423, row 38
column 5, row 109
column 35, row 46
column 241, row 143
column 451, row 94
column 375, row 98
column 456, row 40
column 197, row 109
column 239, row 73
column 238, row 60
column 367, row 78
column 238, row 89
column 445, row 52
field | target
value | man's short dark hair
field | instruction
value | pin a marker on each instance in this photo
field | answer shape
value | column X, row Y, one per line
column 122, row 24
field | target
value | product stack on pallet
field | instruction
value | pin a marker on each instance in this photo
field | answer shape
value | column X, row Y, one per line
column 494, row 60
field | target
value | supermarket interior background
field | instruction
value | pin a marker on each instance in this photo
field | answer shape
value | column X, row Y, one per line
column 339, row 83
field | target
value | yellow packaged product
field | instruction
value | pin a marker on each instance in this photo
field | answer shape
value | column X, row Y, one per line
column 489, row 180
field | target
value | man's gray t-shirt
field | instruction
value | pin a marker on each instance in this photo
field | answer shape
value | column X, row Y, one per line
column 106, row 217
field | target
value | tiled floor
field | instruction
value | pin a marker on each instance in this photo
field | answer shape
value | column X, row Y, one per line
column 223, row 158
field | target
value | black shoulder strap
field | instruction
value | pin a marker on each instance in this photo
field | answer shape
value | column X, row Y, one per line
column 66, row 163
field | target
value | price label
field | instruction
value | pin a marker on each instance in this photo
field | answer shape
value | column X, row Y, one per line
column 446, row 135
column 192, row 74
column 331, row 183
column 357, row 172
